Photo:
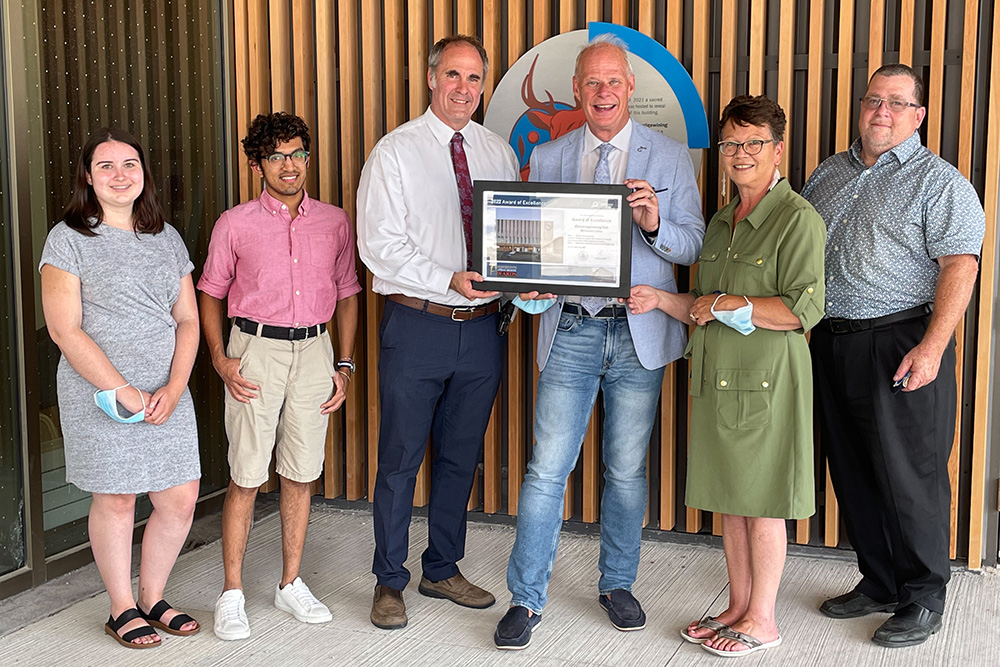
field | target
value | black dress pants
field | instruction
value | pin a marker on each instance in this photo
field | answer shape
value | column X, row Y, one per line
column 888, row 456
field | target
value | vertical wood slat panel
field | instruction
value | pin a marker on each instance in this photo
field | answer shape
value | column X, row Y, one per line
column 876, row 36
column 727, row 75
column 674, row 16
column 491, row 41
column 567, row 15
column 758, row 32
column 700, row 46
column 242, row 78
column 259, row 65
column 416, row 59
column 647, row 18
column 304, row 76
column 361, row 393
column 516, row 29
column 987, row 275
column 814, row 87
column 466, row 19
column 541, row 25
column 279, row 31
column 395, row 64
column 907, row 14
column 619, row 12
column 442, row 19
column 593, row 11
column 786, row 73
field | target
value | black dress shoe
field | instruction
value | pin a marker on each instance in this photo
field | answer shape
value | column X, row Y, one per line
column 853, row 605
column 514, row 629
column 624, row 610
column 909, row 626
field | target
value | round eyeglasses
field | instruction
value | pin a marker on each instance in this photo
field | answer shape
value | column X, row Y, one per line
column 750, row 146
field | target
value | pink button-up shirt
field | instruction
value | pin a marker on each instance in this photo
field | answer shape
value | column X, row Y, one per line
column 280, row 271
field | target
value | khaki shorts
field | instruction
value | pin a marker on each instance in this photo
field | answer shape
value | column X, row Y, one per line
column 295, row 378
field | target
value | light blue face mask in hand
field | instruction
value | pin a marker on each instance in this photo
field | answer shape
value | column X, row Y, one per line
column 534, row 306
column 106, row 401
column 739, row 319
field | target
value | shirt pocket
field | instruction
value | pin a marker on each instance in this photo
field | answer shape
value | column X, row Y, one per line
column 752, row 273
column 709, row 266
column 322, row 251
column 743, row 398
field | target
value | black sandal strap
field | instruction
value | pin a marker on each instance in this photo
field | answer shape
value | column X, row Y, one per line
column 160, row 608
column 123, row 618
column 157, row 611
column 138, row 632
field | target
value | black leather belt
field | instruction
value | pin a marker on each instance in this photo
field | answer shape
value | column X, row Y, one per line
column 456, row 313
column 278, row 333
column 841, row 326
column 608, row 312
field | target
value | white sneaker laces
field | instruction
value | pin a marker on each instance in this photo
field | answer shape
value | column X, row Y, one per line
column 304, row 595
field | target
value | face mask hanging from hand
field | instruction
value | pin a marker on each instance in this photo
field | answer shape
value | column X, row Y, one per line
column 106, row 401
column 534, row 306
column 739, row 319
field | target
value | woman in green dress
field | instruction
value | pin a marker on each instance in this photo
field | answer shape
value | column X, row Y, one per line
column 758, row 289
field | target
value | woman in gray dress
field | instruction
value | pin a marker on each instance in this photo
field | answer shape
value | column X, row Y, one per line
column 120, row 304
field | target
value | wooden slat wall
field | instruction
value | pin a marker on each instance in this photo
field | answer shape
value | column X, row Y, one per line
column 356, row 70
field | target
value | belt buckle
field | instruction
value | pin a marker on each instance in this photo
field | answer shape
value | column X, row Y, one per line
column 293, row 333
column 463, row 309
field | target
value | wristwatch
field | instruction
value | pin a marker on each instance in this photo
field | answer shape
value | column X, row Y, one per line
column 347, row 363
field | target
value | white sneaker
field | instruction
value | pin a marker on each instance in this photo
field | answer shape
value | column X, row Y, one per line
column 231, row 617
column 298, row 600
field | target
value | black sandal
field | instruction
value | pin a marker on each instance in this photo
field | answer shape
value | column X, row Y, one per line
column 156, row 613
column 115, row 624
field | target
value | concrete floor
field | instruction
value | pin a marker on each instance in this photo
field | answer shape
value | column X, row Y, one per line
column 61, row 622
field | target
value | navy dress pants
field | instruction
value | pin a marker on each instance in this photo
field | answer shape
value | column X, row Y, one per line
column 888, row 456
column 437, row 378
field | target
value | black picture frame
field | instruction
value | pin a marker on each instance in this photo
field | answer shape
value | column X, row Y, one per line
column 520, row 255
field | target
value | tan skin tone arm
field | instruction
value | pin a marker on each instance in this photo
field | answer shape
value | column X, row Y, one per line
column 768, row 312
column 346, row 315
column 212, row 315
column 954, row 289
column 62, row 305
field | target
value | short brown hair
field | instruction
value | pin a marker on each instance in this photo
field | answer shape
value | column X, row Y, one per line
column 147, row 214
column 268, row 130
column 434, row 57
column 759, row 110
column 899, row 69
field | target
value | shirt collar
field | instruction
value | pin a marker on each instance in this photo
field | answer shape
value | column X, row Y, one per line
column 903, row 151
column 620, row 141
column 441, row 130
column 759, row 214
column 271, row 204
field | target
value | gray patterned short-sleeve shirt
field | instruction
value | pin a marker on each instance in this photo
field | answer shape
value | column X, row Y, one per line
column 888, row 223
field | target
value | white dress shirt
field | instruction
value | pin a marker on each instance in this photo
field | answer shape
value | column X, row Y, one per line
column 410, row 233
column 617, row 163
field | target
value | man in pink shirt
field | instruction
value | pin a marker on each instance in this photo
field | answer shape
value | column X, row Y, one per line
column 285, row 263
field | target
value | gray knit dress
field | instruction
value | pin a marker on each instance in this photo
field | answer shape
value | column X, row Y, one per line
column 128, row 283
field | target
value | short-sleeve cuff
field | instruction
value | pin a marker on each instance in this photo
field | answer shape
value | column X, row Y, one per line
column 213, row 289
column 59, row 263
column 808, row 306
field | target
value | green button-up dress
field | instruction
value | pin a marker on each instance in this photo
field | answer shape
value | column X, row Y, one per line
column 751, row 448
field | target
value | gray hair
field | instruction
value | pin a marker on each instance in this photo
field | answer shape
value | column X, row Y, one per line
column 434, row 57
column 605, row 39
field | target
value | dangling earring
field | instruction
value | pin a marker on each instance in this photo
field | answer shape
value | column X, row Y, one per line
column 724, row 187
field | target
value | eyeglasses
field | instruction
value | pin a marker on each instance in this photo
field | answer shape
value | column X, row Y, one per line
column 750, row 146
column 872, row 103
column 298, row 157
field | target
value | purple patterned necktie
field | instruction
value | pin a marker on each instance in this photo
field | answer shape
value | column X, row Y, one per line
column 461, row 164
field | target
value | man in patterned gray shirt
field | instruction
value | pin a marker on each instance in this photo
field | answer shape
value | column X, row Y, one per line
column 904, row 233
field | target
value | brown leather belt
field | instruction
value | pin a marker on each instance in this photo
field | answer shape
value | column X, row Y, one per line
column 457, row 313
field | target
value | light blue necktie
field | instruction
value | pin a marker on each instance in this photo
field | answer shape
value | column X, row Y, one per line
column 602, row 176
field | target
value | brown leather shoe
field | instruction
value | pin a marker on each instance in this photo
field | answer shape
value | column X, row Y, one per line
column 458, row 590
column 388, row 609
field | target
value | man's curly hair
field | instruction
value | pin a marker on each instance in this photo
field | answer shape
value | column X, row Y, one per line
column 268, row 130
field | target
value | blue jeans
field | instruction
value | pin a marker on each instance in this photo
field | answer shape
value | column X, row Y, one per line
column 587, row 354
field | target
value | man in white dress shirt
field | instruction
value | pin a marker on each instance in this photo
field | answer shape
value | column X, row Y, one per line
column 440, row 355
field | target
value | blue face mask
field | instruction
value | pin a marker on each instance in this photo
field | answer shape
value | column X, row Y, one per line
column 534, row 306
column 106, row 401
column 739, row 319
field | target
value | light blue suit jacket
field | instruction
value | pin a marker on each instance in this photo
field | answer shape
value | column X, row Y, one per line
column 664, row 163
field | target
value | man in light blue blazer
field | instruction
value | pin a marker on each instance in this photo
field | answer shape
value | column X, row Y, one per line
column 587, row 343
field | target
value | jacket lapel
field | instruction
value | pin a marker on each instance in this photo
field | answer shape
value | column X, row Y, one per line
column 639, row 150
column 571, row 158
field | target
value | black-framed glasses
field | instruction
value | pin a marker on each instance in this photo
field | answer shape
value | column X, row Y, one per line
column 750, row 146
column 298, row 157
column 872, row 103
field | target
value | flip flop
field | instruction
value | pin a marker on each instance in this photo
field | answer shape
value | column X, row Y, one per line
column 708, row 622
column 115, row 624
column 752, row 643
column 174, row 628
